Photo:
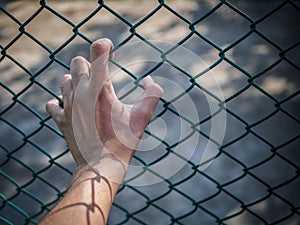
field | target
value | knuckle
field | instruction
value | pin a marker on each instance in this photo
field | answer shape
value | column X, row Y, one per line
column 65, row 78
column 102, row 43
column 48, row 106
column 78, row 59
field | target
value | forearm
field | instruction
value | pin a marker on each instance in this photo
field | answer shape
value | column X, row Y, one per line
column 90, row 195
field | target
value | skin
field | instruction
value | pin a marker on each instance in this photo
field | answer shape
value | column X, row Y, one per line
column 97, row 179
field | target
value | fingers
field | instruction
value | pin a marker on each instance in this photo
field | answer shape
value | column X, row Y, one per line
column 56, row 112
column 143, row 109
column 80, row 67
column 67, row 91
column 99, row 54
column 100, row 48
column 153, row 92
column 54, row 109
column 148, row 81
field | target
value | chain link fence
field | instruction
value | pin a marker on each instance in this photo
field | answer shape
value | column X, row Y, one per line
column 252, row 48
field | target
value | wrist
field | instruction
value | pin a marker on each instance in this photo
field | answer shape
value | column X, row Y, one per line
column 107, row 167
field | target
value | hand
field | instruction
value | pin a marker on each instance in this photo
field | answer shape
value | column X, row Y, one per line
column 95, row 124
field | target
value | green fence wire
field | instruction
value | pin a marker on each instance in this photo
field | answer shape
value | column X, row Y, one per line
column 262, row 191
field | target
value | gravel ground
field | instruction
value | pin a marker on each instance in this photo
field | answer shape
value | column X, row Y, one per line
column 223, row 27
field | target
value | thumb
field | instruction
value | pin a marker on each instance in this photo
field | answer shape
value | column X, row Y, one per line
column 143, row 109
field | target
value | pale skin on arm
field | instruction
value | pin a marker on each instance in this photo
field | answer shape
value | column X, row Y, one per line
column 92, row 191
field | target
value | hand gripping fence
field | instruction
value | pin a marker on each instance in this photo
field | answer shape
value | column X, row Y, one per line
column 252, row 47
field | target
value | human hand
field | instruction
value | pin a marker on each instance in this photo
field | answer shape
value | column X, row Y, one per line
column 95, row 124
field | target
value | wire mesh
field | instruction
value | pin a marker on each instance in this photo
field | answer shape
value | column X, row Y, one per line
column 255, row 175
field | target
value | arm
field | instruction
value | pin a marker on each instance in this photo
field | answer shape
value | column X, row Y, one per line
column 102, row 135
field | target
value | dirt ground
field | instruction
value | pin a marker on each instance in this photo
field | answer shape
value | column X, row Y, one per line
column 255, row 177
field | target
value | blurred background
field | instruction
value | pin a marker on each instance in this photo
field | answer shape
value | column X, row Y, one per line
column 247, row 49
